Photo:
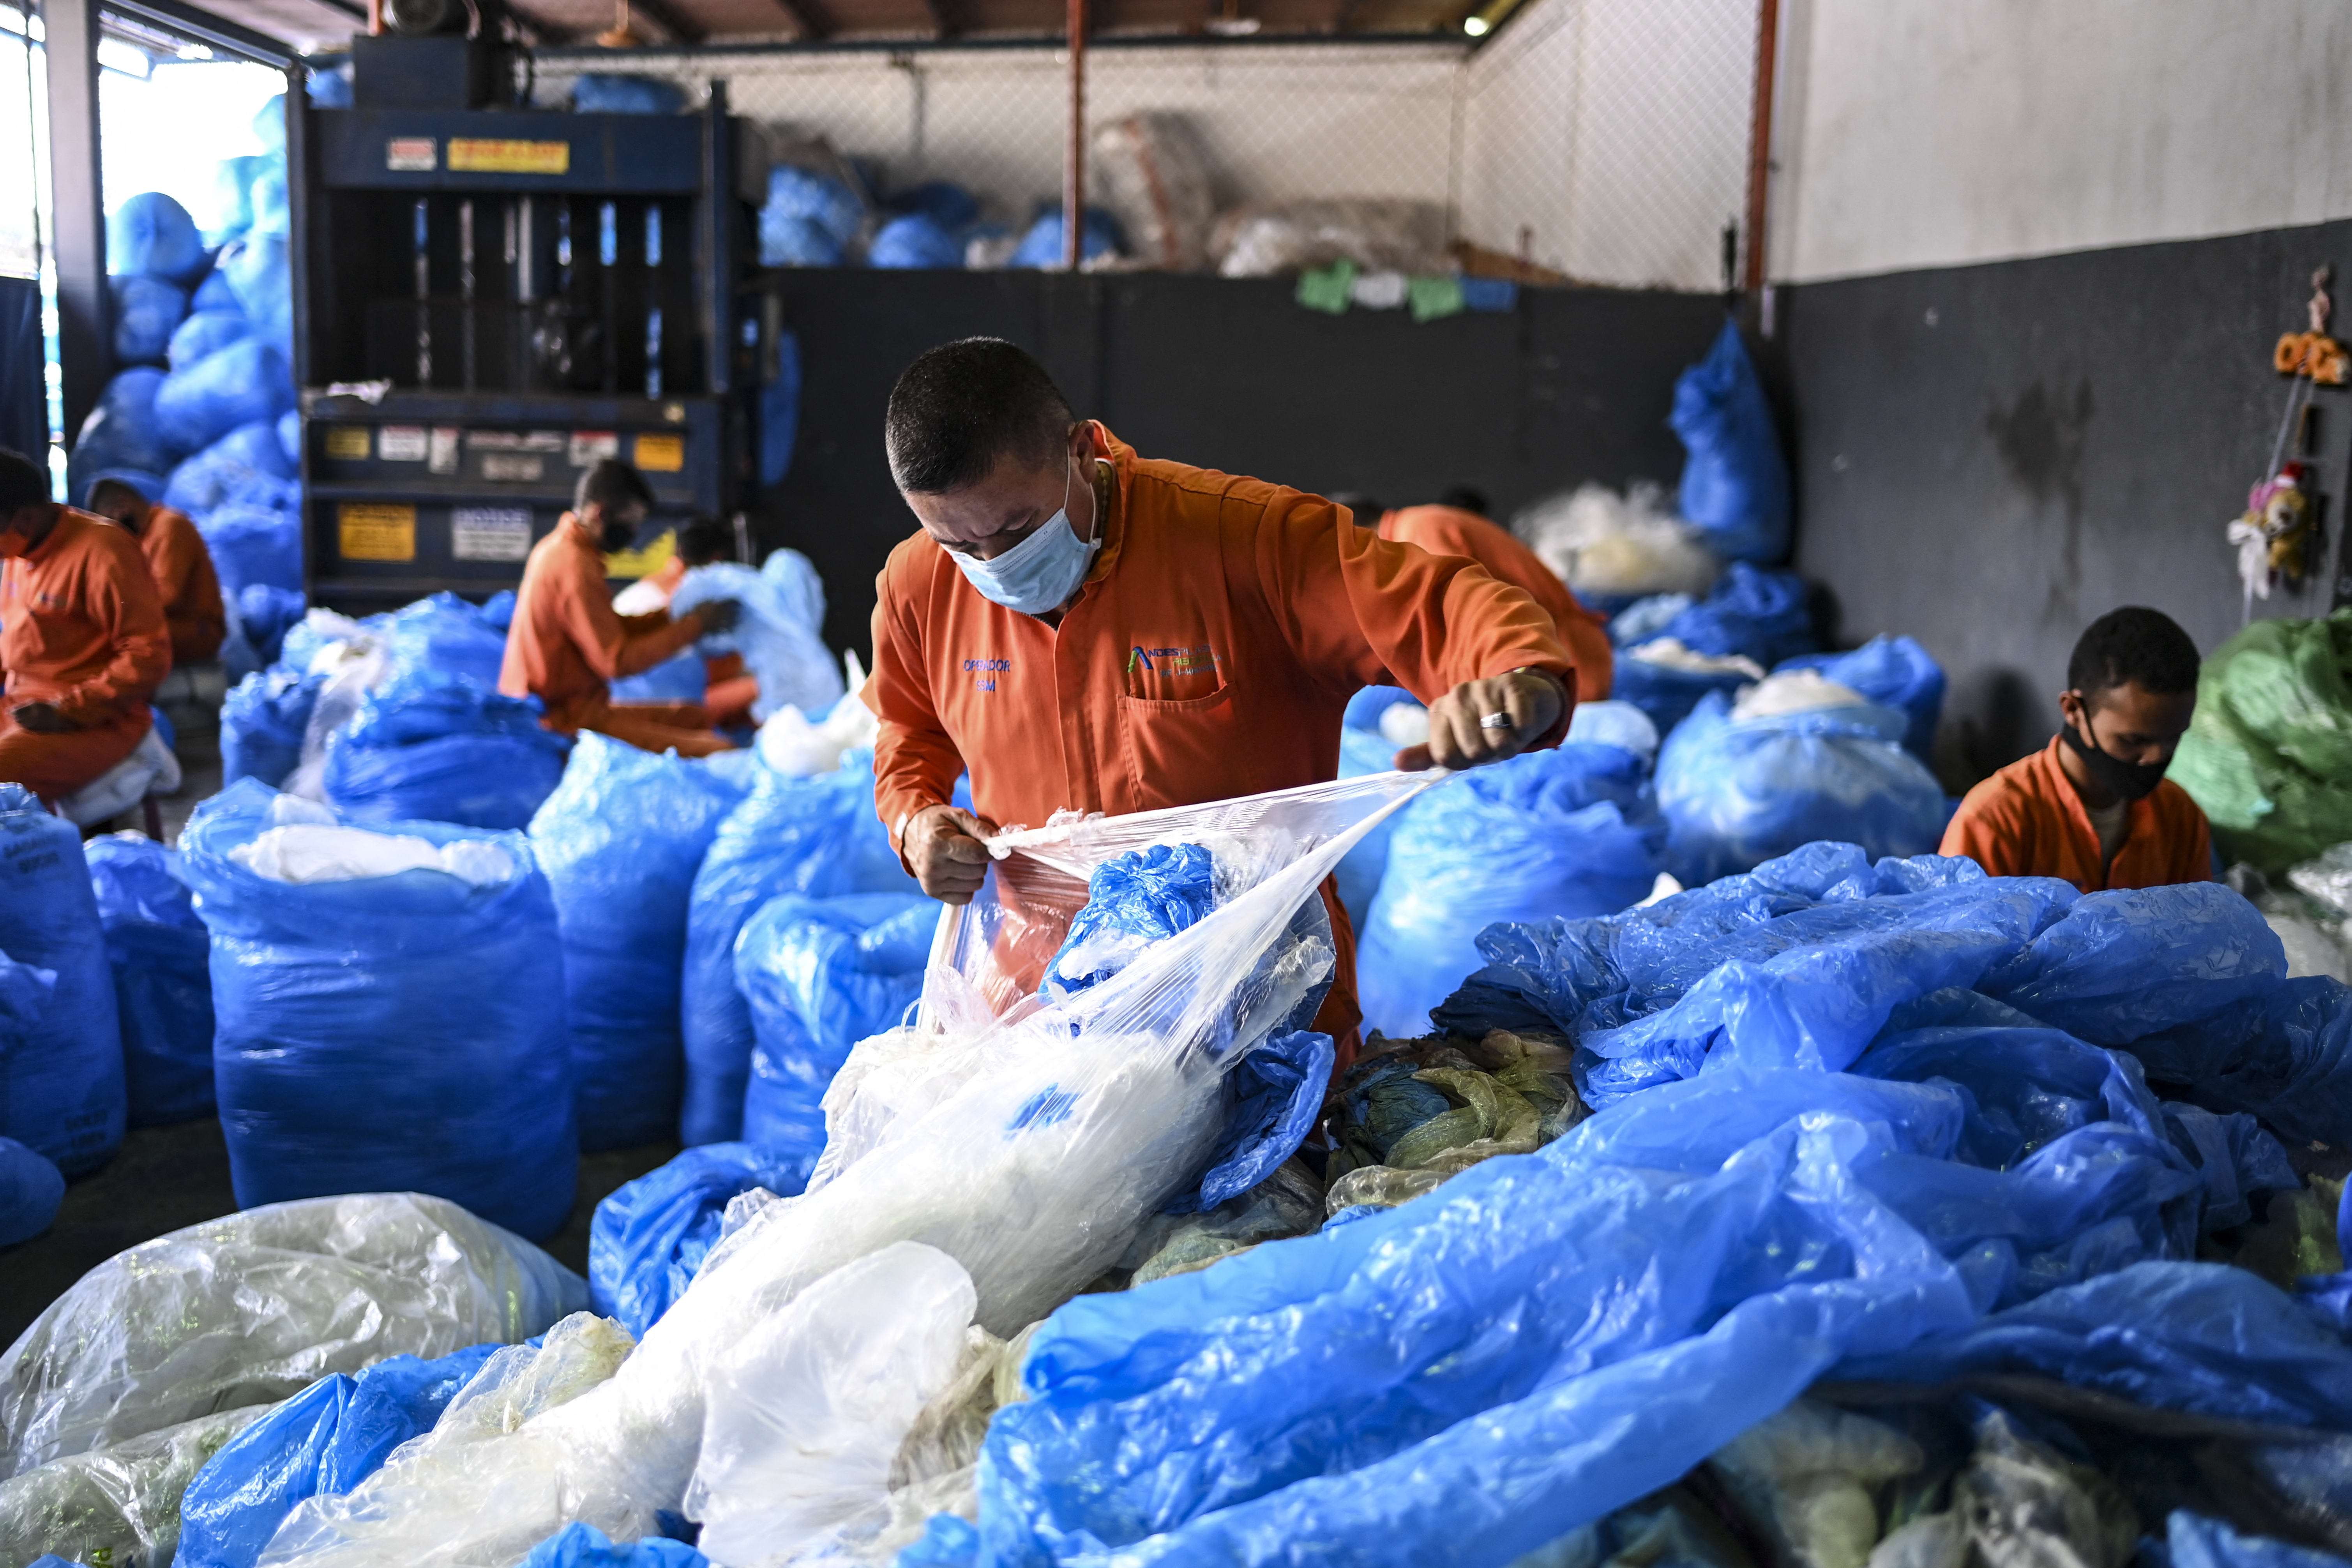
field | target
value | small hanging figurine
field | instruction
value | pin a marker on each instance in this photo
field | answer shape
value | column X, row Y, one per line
column 2270, row 536
column 2314, row 354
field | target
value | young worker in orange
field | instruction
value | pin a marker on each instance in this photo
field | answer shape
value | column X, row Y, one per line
column 2093, row 806
column 1085, row 627
column 1446, row 528
column 567, row 644
column 82, row 637
column 179, row 563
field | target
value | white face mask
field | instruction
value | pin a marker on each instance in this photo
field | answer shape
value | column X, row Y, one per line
column 1037, row 575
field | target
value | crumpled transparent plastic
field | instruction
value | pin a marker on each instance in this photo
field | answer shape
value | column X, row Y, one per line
column 303, row 853
column 1271, row 238
column 783, row 610
column 2327, row 877
column 1155, row 177
column 1033, row 1177
column 118, row 1504
column 797, row 746
column 1807, row 1475
column 807, row 1412
column 1599, row 542
column 256, row 1307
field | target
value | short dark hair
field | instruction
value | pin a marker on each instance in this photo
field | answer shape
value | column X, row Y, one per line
column 611, row 484
column 704, row 540
column 2132, row 644
column 23, row 482
column 1466, row 498
column 959, row 409
column 105, row 482
column 1368, row 510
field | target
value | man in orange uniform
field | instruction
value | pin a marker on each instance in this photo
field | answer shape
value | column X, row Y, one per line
column 2094, row 806
column 729, row 692
column 1449, row 530
column 82, row 637
column 1088, row 628
column 567, row 644
column 179, row 563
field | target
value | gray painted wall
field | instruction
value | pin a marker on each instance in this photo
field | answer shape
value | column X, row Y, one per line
column 1990, row 457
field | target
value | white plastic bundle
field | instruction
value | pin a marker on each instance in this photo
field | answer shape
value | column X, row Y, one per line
column 778, row 632
column 790, row 744
column 1155, row 178
column 1601, row 543
column 1032, row 1175
column 256, row 1307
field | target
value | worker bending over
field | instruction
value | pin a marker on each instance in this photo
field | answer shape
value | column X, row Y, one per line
column 179, row 563
column 2093, row 806
column 83, row 638
column 1085, row 628
column 1450, row 529
column 727, row 692
column 568, row 643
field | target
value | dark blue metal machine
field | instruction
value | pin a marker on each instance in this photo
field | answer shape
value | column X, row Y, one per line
column 487, row 299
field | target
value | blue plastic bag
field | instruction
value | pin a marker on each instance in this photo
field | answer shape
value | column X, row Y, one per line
column 256, row 268
column 387, row 1033
column 153, row 234
column 1750, row 611
column 246, row 381
column 821, row 974
column 620, row 841
column 1272, row 1097
column 681, row 679
column 811, row 218
column 122, row 432
column 322, row 1442
column 580, row 1545
column 605, row 92
column 1568, row 832
column 61, row 1092
column 1043, row 246
column 250, row 544
column 1893, row 672
column 778, row 634
column 31, row 1188
column 213, row 294
column 2284, row 1055
column 445, row 633
column 430, row 747
column 163, row 981
column 649, row 1237
column 1735, row 484
column 262, row 723
column 1366, row 707
column 817, row 837
column 1132, row 901
column 222, row 476
column 147, row 314
column 256, row 449
column 2192, row 1540
column 1739, row 792
column 915, row 241
column 265, row 614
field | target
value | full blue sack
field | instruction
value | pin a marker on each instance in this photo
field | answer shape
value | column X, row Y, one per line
column 915, row 242
column 1739, row 792
column 160, row 958
column 446, row 632
column 649, row 1237
column 401, row 1032
column 256, row 449
column 821, row 974
column 608, row 93
column 1756, row 613
column 262, row 723
column 811, row 218
column 620, row 841
column 122, row 431
column 224, row 475
column 206, row 333
column 431, row 747
column 213, row 293
column 153, row 234
column 817, row 837
column 322, row 1442
column 147, row 314
column 250, row 544
column 243, row 383
column 1893, row 672
column 1043, row 246
column 1569, row 832
column 256, row 266
column 1735, row 484
column 61, row 1092
column 578, row 1545
column 31, row 1188
column 265, row 613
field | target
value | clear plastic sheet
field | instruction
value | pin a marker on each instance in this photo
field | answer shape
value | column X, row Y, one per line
column 119, row 1504
column 254, row 1308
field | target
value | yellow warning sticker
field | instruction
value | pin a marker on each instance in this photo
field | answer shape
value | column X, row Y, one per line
column 369, row 531
column 480, row 155
column 661, row 454
column 347, row 442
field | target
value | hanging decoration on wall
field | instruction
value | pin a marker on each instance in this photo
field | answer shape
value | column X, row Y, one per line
column 2277, row 535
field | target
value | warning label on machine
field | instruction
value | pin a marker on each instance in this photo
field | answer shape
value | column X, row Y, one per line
column 475, row 155
column 371, row 531
column 409, row 154
column 661, row 454
column 489, row 533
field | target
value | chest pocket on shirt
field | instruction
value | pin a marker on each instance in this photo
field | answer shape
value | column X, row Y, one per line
column 1185, row 749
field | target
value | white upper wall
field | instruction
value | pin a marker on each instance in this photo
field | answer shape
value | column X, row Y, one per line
column 1915, row 134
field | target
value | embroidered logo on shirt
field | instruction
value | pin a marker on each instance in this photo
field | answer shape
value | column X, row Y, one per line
column 1171, row 662
column 984, row 671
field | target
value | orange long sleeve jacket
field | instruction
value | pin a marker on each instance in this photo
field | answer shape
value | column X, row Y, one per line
column 1450, row 530
column 81, row 626
column 185, row 581
column 2028, row 821
column 567, row 644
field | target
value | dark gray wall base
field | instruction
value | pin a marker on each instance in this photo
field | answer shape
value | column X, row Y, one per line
column 1234, row 375
column 1988, row 457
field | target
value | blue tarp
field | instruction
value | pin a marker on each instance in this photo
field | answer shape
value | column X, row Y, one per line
column 649, row 1237
column 61, row 1089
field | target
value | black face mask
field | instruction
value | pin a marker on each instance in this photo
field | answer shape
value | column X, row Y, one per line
column 616, row 537
column 2133, row 781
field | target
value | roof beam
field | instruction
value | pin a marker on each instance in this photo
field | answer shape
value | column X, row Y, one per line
column 667, row 17
column 942, row 19
column 802, row 21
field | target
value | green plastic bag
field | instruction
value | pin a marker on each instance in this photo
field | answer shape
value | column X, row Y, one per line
column 2268, row 756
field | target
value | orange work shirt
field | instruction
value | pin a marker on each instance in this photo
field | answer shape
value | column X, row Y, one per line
column 1210, row 653
column 567, row 644
column 185, row 579
column 2028, row 821
column 81, row 626
column 1450, row 530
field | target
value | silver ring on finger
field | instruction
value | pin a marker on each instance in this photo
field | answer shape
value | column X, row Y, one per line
column 1497, row 722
